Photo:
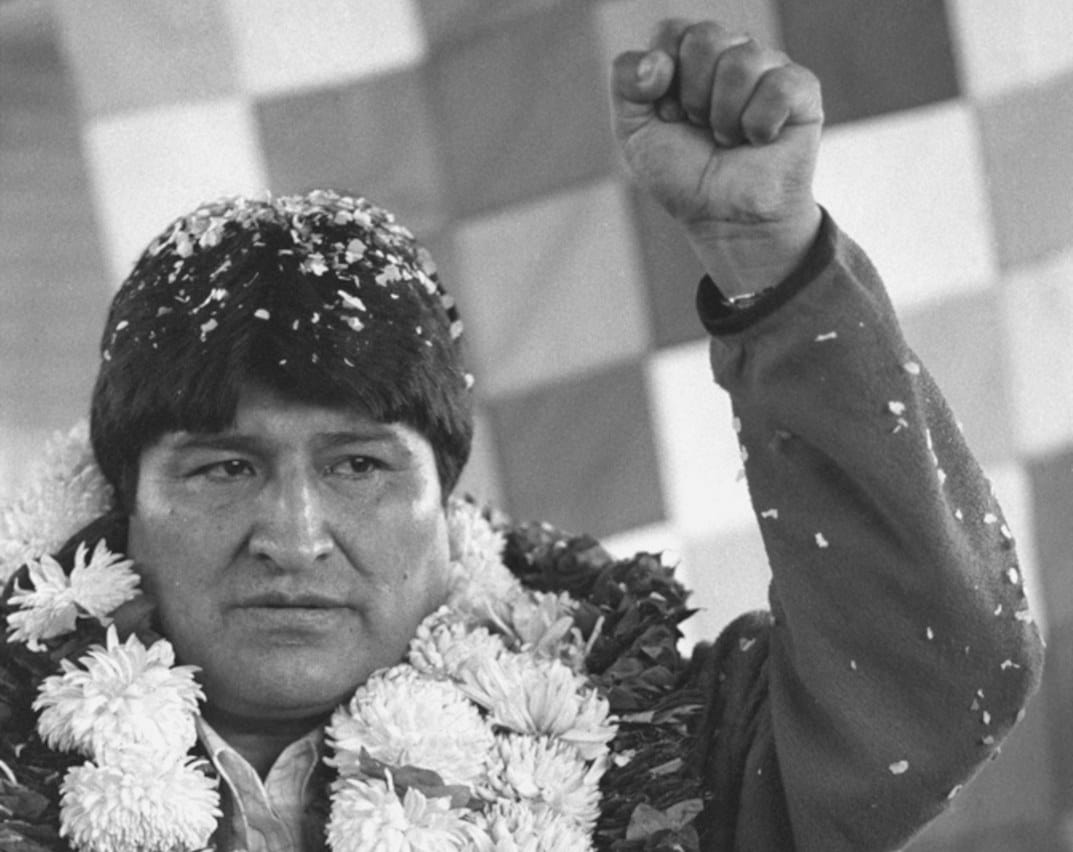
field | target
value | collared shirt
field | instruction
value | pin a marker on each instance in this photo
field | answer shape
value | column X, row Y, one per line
column 266, row 815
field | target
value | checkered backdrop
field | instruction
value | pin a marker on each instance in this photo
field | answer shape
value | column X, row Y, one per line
column 483, row 125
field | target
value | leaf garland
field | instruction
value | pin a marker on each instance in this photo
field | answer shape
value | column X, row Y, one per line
column 653, row 791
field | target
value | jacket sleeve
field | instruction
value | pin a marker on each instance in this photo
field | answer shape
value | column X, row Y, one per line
column 899, row 650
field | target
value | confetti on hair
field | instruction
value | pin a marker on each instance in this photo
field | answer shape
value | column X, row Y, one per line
column 353, row 302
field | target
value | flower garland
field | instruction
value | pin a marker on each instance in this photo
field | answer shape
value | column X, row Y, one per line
column 541, row 708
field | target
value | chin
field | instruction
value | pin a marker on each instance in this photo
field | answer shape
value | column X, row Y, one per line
column 282, row 695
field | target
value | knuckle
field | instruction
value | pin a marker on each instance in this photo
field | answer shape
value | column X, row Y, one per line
column 694, row 47
column 780, row 83
column 792, row 83
column 803, row 78
column 705, row 30
column 739, row 64
column 706, row 38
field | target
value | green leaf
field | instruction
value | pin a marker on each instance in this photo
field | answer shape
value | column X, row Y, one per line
column 13, row 839
column 19, row 801
column 668, row 767
column 647, row 820
column 406, row 777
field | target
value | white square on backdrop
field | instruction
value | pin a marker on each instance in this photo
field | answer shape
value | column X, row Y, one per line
column 283, row 46
column 151, row 166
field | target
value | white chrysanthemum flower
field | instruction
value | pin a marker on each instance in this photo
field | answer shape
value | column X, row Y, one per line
column 517, row 827
column 446, row 641
column 122, row 695
column 534, row 696
column 50, row 608
column 489, row 601
column 404, row 719
column 139, row 804
column 543, row 622
column 66, row 491
column 47, row 610
column 104, row 583
column 544, row 771
column 473, row 539
column 368, row 816
column 479, row 584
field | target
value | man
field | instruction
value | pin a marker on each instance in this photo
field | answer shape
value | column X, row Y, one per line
column 282, row 410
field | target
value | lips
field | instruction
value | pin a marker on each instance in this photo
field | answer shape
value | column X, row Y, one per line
column 288, row 619
column 286, row 600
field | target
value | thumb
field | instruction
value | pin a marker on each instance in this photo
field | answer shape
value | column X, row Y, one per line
column 638, row 80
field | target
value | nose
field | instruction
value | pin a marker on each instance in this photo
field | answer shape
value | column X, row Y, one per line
column 292, row 530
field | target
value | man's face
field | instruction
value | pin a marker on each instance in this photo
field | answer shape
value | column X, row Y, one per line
column 292, row 555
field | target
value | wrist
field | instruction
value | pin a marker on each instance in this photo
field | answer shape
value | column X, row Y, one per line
column 720, row 316
column 746, row 259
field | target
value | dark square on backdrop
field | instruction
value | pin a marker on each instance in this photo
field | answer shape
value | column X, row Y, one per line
column 446, row 20
column 521, row 110
column 372, row 137
column 580, row 453
column 872, row 56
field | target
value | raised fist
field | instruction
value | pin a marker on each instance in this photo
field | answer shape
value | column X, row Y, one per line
column 723, row 133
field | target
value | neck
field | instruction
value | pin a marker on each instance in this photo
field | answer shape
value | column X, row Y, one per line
column 260, row 741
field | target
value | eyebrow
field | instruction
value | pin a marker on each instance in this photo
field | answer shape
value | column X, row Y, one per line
column 236, row 441
column 372, row 434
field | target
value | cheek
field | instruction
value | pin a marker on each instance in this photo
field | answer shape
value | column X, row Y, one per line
column 420, row 543
column 176, row 554
column 168, row 527
column 179, row 572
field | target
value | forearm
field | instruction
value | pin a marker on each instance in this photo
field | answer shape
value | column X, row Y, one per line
column 902, row 651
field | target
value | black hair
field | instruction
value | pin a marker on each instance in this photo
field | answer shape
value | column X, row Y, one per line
column 321, row 298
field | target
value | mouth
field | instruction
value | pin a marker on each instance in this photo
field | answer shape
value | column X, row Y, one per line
column 281, row 600
column 284, row 619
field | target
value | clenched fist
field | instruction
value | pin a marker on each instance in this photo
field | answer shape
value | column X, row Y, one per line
column 724, row 133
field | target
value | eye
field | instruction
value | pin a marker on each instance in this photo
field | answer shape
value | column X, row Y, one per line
column 354, row 466
column 227, row 470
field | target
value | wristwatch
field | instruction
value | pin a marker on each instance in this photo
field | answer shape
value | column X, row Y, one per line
column 746, row 300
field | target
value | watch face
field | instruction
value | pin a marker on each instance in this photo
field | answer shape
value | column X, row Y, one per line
column 746, row 300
